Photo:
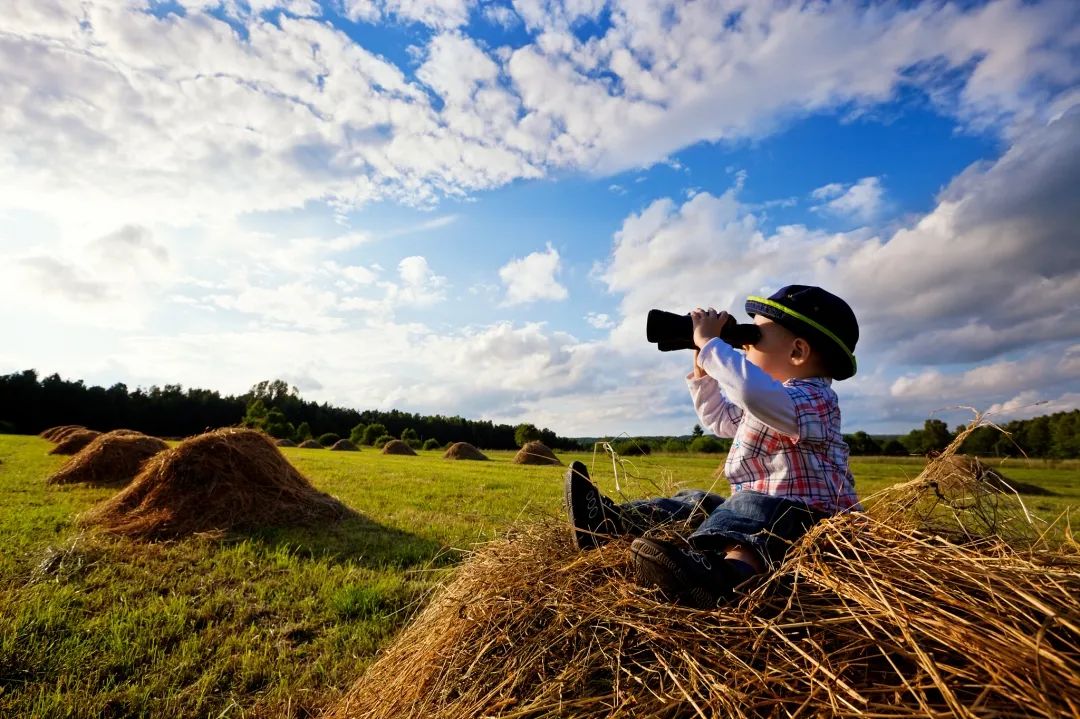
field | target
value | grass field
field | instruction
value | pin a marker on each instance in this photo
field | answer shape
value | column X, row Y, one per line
column 280, row 622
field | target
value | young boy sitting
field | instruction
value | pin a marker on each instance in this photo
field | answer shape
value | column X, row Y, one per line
column 788, row 465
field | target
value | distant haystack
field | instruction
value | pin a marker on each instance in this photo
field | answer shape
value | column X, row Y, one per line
column 52, row 432
column 310, row 444
column 464, row 450
column 112, row 458
column 75, row 441
column 995, row 480
column 536, row 452
column 284, row 443
column 218, row 481
column 396, row 446
column 344, row 445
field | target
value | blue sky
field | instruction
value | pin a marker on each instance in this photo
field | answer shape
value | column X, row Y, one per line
column 466, row 207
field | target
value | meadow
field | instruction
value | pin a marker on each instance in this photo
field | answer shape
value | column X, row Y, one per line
column 279, row 622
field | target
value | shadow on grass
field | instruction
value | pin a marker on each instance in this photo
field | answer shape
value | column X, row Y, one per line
column 357, row 539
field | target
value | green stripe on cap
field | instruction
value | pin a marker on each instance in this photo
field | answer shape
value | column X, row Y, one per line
column 803, row 318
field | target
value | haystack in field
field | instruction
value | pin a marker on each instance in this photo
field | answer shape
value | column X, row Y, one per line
column 64, row 432
column 112, row 458
column 344, row 445
column 871, row 614
column 464, row 450
column 310, row 444
column 284, row 443
column 535, row 452
column 222, row 480
column 396, row 446
column 993, row 478
column 52, row 432
column 75, row 441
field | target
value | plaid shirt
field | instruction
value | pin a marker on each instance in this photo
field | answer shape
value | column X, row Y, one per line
column 812, row 467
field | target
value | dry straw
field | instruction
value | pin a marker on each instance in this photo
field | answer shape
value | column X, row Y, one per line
column 464, row 450
column 310, row 444
column 73, row 441
column 52, row 433
column 536, row 452
column 284, row 443
column 344, row 445
column 396, row 446
column 218, row 481
column 941, row 600
column 113, row 458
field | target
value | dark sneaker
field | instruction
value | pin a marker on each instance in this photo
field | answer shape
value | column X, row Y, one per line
column 685, row 575
column 595, row 518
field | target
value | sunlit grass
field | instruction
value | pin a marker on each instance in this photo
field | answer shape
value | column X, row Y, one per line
column 279, row 622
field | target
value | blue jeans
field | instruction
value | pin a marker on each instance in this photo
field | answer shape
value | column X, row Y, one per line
column 769, row 525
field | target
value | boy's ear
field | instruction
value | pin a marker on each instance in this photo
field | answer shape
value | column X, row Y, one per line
column 800, row 351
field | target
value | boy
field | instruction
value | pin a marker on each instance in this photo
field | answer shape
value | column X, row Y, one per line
column 788, row 465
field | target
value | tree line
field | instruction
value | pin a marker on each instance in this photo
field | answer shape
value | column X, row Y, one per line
column 29, row 404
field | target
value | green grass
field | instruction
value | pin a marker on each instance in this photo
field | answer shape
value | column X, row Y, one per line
column 281, row 621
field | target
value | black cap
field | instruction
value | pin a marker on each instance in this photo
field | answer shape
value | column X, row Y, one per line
column 821, row 318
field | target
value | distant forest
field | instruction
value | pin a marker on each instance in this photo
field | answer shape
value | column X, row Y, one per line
column 29, row 404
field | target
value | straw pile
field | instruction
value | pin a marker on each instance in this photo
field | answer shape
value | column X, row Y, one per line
column 284, row 443
column 344, row 445
column 464, row 450
column 74, row 441
column 310, row 444
column 396, row 446
column 871, row 615
column 52, row 432
column 221, row 480
column 112, row 458
column 536, row 452
column 993, row 478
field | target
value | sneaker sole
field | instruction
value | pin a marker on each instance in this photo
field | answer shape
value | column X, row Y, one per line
column 655, row 567
column 582, row 539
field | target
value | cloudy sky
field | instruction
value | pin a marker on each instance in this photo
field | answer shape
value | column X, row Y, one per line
column 468, row 207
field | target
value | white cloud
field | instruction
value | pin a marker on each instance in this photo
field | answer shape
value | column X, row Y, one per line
column 532, row 278
column 501, row 15
column 600, row 320
column 862, row 201
column 419, row 285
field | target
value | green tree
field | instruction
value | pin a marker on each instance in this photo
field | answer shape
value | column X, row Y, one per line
column 256, row 415
column 697, row 431
column 861, row 443
column 707, row 445
column 381, row 440
column 674, row 445
column 432, row 444
column 277, row 425
column 303, row 432
column 356, row 434
column 372, row 432
column 409, row 435
column 328, row 439
column 525, row 433
column 893, row 448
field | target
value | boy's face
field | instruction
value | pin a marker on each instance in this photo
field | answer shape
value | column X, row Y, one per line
column 779, row 353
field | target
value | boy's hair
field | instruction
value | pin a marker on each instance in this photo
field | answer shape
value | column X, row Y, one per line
column 821, row 318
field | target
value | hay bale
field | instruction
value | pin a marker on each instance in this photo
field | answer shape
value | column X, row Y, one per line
column 112, row 458
column 396, row 446
column 74, row 441
column 284, row 443
column 310, row 444
column 51, row 433
column 995, row 480
column 464, row 450
column 866, row 617
column 344, row 445
column 222, row 480
column 536, row 452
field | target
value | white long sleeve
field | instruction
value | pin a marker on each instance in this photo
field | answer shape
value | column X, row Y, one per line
column 747, row 386
column 716, row 413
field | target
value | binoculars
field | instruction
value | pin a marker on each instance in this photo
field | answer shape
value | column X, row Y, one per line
column 670, row 331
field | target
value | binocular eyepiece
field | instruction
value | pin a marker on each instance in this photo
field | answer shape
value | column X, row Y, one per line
column 670, row 331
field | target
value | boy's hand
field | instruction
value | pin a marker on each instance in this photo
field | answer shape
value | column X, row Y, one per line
column 707, row 324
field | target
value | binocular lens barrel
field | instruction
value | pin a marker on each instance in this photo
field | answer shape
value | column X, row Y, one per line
column 670, row 331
